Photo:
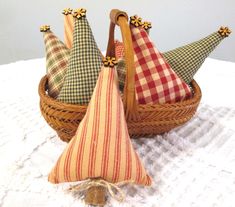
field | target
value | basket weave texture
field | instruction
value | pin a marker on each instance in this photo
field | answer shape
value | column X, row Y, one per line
column 142, row 120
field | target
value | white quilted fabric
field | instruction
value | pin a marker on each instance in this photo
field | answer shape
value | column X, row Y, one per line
column 191, row 166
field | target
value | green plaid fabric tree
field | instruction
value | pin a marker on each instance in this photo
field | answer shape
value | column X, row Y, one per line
column 186, row 60
column 84, row 64
column 57, row 56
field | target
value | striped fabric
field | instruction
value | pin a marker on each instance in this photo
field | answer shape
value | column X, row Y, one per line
column 186, row 60
column 68, row 30
column 101, row 147
column 155, row 81
column 84, row 66
column 57, row 56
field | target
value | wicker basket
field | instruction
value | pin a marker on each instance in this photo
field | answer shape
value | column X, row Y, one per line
column 142, row 120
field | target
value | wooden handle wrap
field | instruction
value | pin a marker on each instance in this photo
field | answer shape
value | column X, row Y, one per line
column 115, row 14
column 121, row 19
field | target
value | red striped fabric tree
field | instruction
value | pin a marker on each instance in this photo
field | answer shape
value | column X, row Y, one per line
column 101, row 148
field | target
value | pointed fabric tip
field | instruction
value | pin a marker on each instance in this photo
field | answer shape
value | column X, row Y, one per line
column 109, row 61
column 155, row 81
column 57, row 56
column 187, row 60
column 101, row 147
column 136, row 21
column 84, row 66
column 67, row 11
column 79, row 13
column 45, row 28
column 224, row 31
column 68, row 29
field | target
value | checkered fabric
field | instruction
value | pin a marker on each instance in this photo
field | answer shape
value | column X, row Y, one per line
column 68, row 30
column 186, row 60
column 84, row 66
column 101, row 147
column 155, row 81
column 119, row 49
column 57, row 56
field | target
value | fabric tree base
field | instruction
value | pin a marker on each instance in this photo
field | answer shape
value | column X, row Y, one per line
column 95, row 196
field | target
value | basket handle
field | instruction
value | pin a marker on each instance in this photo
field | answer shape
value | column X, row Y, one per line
column 120, row 18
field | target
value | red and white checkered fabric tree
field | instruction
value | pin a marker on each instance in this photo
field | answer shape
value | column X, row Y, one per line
column 155, row 81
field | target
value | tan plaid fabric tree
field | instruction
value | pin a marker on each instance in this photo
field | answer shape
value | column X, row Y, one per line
column 57, row 56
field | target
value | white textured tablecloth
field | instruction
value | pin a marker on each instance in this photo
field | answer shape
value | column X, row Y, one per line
column 193, row 165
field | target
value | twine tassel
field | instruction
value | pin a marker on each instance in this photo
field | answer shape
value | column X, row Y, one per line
column 113, row 189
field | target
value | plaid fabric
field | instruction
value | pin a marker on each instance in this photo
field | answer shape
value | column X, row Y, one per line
column 57, row 56
column 68, row 30
column 155, row 81
column 101, row 147
column 186, row 60
column 84, row 66
column 121, row 71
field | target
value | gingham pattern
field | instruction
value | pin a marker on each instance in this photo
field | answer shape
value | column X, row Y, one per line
column 84, row 66
column 155, row 81
column 68, row 30
column 186, row 60
column 57, row 56
column 119, row 49
column 101, row 147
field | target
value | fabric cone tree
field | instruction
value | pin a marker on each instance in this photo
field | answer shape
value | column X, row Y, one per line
column 186, row 60
column 84, row 64
column 57, row 56
column 101, row 153
column 155, row 81
column 119, row 46
column 68, row 27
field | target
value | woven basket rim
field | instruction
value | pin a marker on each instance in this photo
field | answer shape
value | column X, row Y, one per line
column 168, row 116
column 58, row 104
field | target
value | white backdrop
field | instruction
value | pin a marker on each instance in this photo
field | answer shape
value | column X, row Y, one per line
column 174, row 23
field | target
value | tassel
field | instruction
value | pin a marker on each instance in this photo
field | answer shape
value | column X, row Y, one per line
column 113, row 189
